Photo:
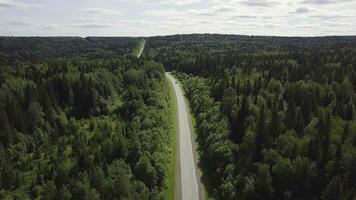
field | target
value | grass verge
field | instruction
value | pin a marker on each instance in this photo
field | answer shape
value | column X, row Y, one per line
column 171, row 176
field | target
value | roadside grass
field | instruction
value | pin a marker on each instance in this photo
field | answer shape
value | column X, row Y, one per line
column 171, row 176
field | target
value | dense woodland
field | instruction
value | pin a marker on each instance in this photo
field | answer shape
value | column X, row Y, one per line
column 83, row 125
column 83, row 118
column 275, row 116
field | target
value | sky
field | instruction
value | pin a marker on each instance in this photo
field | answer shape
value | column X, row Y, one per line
column 166, row 17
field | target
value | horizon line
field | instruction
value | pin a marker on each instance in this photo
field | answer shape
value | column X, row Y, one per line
column 178, row 34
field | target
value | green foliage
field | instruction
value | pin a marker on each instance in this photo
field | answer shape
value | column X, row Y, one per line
column 283, row 108
column 82, row 118
column 74, row 127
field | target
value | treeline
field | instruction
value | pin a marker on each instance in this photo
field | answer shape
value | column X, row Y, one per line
column 38, row 49
column 213, row 53
column 264, row 41
column 282, row 121
column 83, row 128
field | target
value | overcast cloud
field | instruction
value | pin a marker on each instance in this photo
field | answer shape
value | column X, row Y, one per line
column 165, row 17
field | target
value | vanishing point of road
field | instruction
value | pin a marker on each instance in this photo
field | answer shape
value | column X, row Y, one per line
column 188, row 182
column 141, row 48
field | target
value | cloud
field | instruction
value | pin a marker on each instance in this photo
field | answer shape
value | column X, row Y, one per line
column 307, row 26
column 22, row 21
column 164, row 13
column 101, row 11
column 92, row 25
column 190, row 13
column 270, row 25
column 51, row 27
column 185, row 2
column 157, row 17
column 324, row 2
column 17, row 4
column 223, row 8
column 96, row 18
column 213, row 11
column 202, row 12
column 258, row 3
column 301, row 10
column 244, row 17
column 18, row 23
column 330, row 17
column 175, row 2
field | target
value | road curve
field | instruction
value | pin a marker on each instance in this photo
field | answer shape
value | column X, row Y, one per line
column 189, row 183
column 142, row 47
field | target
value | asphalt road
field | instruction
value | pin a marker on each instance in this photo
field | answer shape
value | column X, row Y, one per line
column 189, row 186
column 141, row 49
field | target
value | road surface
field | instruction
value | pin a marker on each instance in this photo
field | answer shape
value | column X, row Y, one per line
column 142, row 47
column 189, row 186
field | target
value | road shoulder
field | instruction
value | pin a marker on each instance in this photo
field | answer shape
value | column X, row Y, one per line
column 173, row 176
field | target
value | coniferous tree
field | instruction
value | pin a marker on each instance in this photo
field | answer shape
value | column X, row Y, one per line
column 260, row 134
column 239, row 124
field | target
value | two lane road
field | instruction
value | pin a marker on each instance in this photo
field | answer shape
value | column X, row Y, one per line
column 189, row 185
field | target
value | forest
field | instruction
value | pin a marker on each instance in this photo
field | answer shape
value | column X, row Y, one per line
column 88, row 125
column 84, row 118
column 275, row 117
